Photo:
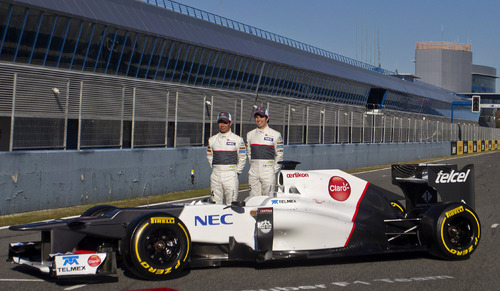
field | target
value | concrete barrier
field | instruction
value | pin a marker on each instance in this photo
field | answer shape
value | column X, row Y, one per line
column 38, row 180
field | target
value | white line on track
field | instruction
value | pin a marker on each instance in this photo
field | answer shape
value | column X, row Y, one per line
column 21, row 280
column 494, row 225
column 75, row 287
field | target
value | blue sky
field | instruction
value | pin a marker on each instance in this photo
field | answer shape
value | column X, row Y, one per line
column 348, row 27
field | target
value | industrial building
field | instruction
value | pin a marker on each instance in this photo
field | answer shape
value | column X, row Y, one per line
column 449, row 65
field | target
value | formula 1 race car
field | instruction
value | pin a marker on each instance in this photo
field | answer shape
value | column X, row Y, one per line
column 313, row 214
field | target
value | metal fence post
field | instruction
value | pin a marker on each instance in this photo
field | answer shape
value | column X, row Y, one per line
column 400, row 130
column 241, row 117
column 203, row 120
column 13, row 114
column 352, row 127
column 338, row 126
column 307, row 125
column 235, row 110
column 211, row 114
column 363, row 127
column 133, row 118
column 284, row 123
column 383, row 129
column 80, row 117
column 122, row 117
column 288, row 130
column 65, row 141
column 323, row 114
column 175, row 117
column 166, row 118
column 408, row 130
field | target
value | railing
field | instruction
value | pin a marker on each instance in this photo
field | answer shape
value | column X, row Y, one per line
column 210, row 17
column 83, row 114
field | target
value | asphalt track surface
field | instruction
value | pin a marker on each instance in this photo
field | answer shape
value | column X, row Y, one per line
column 387, row 272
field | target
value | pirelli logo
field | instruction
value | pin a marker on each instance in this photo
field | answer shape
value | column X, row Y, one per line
column 162, row 220
column 454, row 211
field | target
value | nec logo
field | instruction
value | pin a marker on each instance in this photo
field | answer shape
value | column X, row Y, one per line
column 70, row 260
column 452, row 177
column 212, row 220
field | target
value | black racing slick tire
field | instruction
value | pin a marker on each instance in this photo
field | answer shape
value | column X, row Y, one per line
column 98, row 210
column 451, row 231
column 156, row 247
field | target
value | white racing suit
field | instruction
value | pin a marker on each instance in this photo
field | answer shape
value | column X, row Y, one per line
column 264, row 150
column 227, row 156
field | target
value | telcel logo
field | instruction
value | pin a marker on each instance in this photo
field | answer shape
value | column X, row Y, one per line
column 339, row 188
column 453, row 177
column 212, row 220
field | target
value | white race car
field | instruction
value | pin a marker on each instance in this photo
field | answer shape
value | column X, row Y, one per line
column 313, row 214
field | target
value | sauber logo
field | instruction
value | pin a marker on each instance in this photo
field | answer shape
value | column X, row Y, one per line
column 297, row 175
column 452, row 177
column 265, row 226
column 339, row 188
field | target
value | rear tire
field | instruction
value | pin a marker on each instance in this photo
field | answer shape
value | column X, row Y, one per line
column 451, row 231
column 399, row 208
column 157, row 246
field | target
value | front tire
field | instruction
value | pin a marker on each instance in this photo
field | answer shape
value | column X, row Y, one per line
column 157, row 246
column 452, row 230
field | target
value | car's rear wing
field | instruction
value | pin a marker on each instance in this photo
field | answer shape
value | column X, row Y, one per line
column 432, row 183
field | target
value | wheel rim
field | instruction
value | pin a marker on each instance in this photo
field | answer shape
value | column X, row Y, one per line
column 459, row 233
column 162, row 247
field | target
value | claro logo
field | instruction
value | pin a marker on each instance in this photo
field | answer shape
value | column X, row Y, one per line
column 297, row 175
column 339, row 188
column 452, row 177
column 94, row 261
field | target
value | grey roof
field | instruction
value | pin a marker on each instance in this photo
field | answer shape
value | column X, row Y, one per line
column 137, row 15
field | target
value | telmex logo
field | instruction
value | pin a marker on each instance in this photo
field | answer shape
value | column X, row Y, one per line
column 297, row 175
column 339, row 188
column 70, row 260
column 212, row 220
column 453, row 177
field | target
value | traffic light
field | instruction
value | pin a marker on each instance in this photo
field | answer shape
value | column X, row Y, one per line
column 476, row 103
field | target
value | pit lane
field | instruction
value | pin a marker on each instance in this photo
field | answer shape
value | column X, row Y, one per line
column 401, row 271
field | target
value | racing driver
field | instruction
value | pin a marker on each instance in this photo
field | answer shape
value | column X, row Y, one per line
column 264, row 150
column 226, row 155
